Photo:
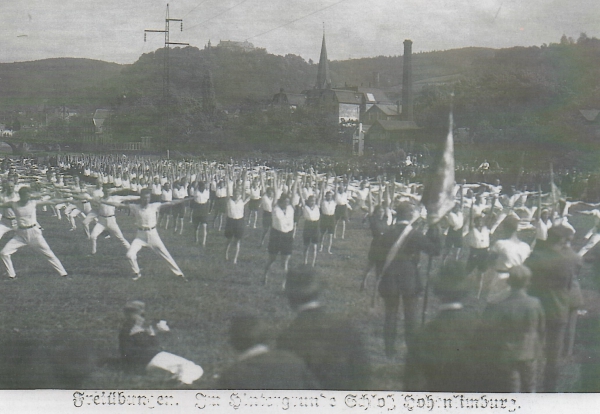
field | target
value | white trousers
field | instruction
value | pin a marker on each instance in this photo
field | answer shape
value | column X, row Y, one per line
column 87, row 208
column 151, row 239
column 33, row 238
column 109, row 223
column 89, row 218
column 4, row 229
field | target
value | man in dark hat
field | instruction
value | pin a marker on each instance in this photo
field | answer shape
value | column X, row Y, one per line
column 331, row 347
column 401, row 276
column 553, row 268
column 442, row 351
column 260, row 368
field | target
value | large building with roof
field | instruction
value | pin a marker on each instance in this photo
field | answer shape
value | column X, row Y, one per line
column 387, row 125
column 347, row 104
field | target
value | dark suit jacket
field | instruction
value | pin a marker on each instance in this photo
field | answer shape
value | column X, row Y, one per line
column 552, row 280
column 514, row 328
column 273, row 370
column 402, row 276
column 136, row 350
column 330, row 347
column 443, row 351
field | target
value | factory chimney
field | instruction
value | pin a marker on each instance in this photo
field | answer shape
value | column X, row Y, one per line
column 407, row 92
column 376, row 79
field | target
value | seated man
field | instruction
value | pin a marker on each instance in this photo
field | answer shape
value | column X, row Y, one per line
column 140, row 350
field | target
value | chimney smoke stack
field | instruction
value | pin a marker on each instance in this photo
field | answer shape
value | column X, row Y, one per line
column 407, row 92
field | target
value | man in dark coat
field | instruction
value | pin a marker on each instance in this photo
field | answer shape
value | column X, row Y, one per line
column 330, row 346
column 402, row 277
column 258, row 367
column 512, row 335
column 442, row 351
column 553, row 268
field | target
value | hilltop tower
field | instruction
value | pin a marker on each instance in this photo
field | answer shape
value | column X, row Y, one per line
column 323, row 79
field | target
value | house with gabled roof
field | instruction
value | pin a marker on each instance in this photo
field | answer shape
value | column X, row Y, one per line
column 344, row 104
column 386, row 135
column 383, row 112
column 293, row 100
column 373, row 96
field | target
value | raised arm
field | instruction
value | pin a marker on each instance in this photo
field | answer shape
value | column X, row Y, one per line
column 322, row 193
column 228, row 185
column 52, row 201
column 538, row 213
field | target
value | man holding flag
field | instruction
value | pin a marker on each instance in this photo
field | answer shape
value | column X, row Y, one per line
column 404, row 244
column 401, row 277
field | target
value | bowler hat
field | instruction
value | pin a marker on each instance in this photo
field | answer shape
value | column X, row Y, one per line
column 301, row 284
column 135, row 306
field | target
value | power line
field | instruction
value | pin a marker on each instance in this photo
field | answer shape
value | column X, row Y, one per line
column 198, row 5
column 217, row 15
column 166, row 65
column 294, row 21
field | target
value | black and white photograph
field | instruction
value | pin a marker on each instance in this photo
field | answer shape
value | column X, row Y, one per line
column 322, row 195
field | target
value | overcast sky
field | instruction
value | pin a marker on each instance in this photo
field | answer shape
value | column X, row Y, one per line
column 113, row 30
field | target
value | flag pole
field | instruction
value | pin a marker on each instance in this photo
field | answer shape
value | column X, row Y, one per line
column 426, row 295
column 449, row 140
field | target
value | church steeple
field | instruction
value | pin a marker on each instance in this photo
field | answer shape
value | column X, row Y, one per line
column 323, row 80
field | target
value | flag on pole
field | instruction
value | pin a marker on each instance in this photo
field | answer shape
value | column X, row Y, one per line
column 438, row 194
column 556, row 195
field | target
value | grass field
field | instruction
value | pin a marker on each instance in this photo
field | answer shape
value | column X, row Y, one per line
column 89, row 304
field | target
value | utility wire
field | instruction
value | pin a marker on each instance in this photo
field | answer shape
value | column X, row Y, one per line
column 198, row 5
column 217, row 15
column 298, row 19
